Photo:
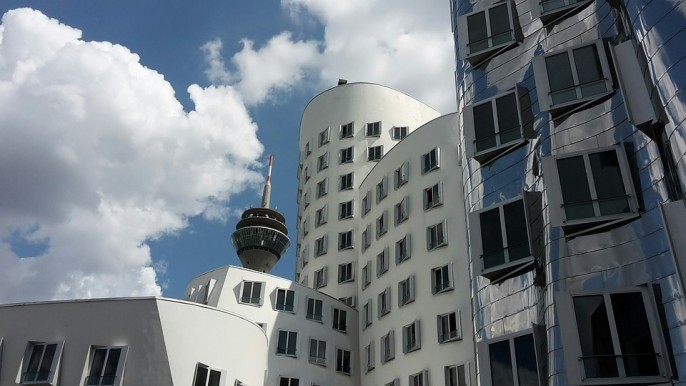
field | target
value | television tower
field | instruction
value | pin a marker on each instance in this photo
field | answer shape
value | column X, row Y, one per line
column 261, row 236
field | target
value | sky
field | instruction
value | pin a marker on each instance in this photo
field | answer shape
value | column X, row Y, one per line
column 133, row 134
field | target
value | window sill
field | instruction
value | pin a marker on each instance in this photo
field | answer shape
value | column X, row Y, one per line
column 581, row 227
column 562, row 110
column 479, row 57
column 487, row 156
column 505, row 271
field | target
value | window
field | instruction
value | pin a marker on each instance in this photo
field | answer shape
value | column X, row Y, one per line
column 382, row 224
column 347, row 130
column 345, row 273
column 252, row 292
column 107, row 365
column 402, row 210
column 204, row 376
column 449, row 327
column 305, row 255
column 366, row 280
column 314, row 309
column 345, row 240
column 433, row 196
column 41, row 362
column 384, row 303
column 411, row 337
column 308, row 149
column 388, row 347
column 382, row 189
column 420, row 379
column 306, row 198
column 485, row 33
column 307, row 173
column 285, row 300
column 340, row 319
column 551, row 10
column 456, row 376
column 318, row 352
column 395, row 382
column 442, row 279
column 592, row 189
column 570, row 78
column 346, row 155
column 343, row 361
column 323, row 162
column 369, row 357
column 348, row 300
column 306, row 226
column 320, row 245
column 497, row 125
column 502, row 245
column 284, row 381
column 616, row 337
column 400, row 132
column 401, row 174
column 436, row 236
column 374, row 153
column 402, row 249
column 346, row 181
column 406, row 291
column 373, row 129
column 366, row 238
column 431, row 160
column 322, row 187
column 367, row 313
column 320, row 278
column 345, row 210
column 321, row 216
column 382, row 262
column 366, row 203
column 324, row 136
column 511, row 361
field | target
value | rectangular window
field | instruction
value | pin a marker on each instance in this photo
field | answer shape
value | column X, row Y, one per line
column 204, row 376
column 382, row 262
column 382, row 189
column 345, row 210
column 373, row 129
column 374, row 153
column 419, row 379
column 287, row 344
column 318, row 352
column 411, row 337
column 384, row 302
column 345, row 240
column 388, row 347
column 107, row 365
column 348, row 300
column 449, row 327
column 347, row 130
column 456, row 376
column 314, row 309
column 320, row 245
column 486, row 32
column 568, row 78
column 320, row 278
column 322, row 187
column 345, row 273
column 321, row 216
column 401, row 174
column 513, row 361
column 340, row 319
column 369, row 356
column 324, row 136
column 343, row 361
column 305, row 255
column 366, row 279
column 307, row 173
column 346, row 181
column 41, row 361
column 285, row 300
column 433, row 196
column 382, row 224
column 252, row 292
column 346, row 155
column 395, row 382
column 367, row 313
column 366, row 203
column 366, row 238
column 431, row 160
column 406, row 291
column 323, row 161
column 402, row 210
column 442, row 279
column 400, row 132
column 284, row 381
column 436, row 236
column 402, row 249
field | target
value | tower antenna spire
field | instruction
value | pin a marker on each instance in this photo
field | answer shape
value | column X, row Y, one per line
column 267, row 193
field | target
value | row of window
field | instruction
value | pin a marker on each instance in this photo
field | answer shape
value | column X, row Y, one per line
column 289, row 345
column 454, row 375
column 372, row 129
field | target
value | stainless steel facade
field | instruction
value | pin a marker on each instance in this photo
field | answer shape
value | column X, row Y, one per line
column 640, row 250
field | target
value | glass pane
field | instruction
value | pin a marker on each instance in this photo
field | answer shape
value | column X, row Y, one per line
column 516, row 231
column 461, row 376
column 525, row 354
column 501, row 363
column 477, row 31
column 508, row 118
column 484, row 127
column 215, row 377
column 597, row 351
column 98, row 362
column 111, row 367
column 587, row 64
column 633, row 330
column 491, row 238
column 609, row 186
column 34, row 362
column 45, row 366
column 200, row 376
column 576, row 195
column 560, row 78
column 500, row 25
column 289, row 300
column 283, row 382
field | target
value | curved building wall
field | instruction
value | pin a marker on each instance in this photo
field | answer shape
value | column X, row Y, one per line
column 436, row 274
column 573, row 259
column 358, row 104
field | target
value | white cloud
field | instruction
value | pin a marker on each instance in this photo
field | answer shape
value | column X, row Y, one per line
column 97, row 156
column 216, row 72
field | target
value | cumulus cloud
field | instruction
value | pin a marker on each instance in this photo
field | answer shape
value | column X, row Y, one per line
column 97, row 156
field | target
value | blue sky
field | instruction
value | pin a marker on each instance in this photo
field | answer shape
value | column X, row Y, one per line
column 136, row 131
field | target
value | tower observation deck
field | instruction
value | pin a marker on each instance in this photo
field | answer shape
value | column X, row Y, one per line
column 261, row 236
